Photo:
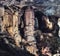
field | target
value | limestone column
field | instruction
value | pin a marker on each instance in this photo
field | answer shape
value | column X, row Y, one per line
column 29, row 31
column 16, row 33
column 29, row 22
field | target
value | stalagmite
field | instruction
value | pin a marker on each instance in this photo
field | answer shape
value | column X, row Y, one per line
column 10, row 24
column 29, row 31
column 29, row 28
column 1, row 11
column 1, row 17
column 17, row 36
column 5, row 21
column 59, row 26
